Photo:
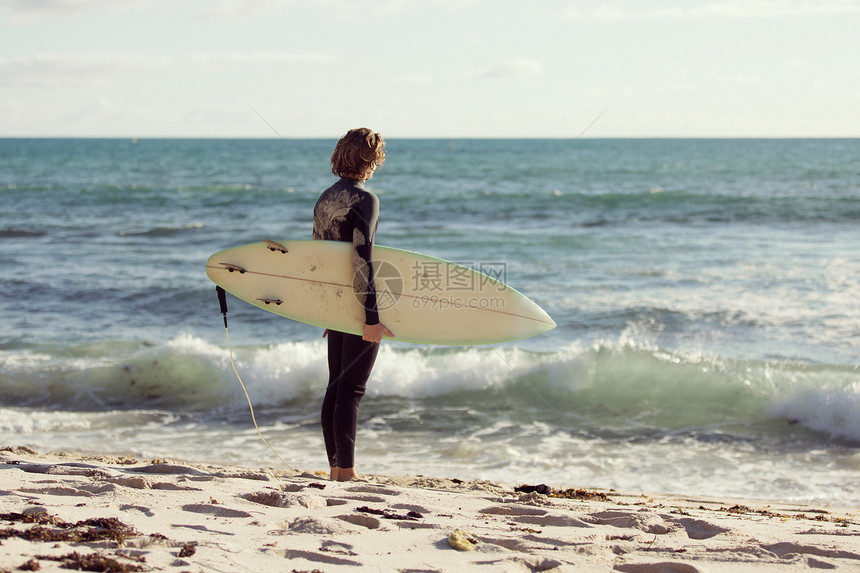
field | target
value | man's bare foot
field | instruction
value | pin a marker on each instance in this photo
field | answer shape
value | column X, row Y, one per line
column 346, row 474
column 335, row 472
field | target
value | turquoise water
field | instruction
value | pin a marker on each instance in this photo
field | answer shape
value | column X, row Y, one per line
column 707, row 295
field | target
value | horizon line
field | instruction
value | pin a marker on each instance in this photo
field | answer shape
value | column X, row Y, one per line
column 434, row 137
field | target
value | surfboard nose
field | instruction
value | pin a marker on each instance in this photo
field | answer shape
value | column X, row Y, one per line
column 546, row 319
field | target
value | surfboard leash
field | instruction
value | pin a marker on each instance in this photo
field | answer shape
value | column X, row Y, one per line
column 222, row 300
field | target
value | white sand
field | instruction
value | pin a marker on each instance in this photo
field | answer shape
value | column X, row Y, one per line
column 192, row 517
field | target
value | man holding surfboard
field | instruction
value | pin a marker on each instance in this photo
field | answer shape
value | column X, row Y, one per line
column 311, row 281
column 348, row 212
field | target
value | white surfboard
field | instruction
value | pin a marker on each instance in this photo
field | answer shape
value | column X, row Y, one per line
column 420, row 298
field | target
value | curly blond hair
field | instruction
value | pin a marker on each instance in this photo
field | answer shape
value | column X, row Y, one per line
column 357, row 154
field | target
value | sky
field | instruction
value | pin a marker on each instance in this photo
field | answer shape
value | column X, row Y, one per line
column 430, row 68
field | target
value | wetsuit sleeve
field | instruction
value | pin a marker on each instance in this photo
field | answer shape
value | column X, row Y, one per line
column 365, row 217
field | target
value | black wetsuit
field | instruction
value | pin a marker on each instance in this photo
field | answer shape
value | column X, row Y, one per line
column 348, row 212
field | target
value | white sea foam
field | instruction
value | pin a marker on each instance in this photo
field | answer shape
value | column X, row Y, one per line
column 664, row 388
column 834, row 411
column 22, row 422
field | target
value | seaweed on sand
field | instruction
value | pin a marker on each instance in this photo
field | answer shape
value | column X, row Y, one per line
column 50, row 528
column 92, row 562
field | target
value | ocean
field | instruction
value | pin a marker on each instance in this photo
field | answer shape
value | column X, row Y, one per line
column 707, row 296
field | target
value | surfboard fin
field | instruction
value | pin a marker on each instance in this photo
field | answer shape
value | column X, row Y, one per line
column 231, row 267
column 275, row 246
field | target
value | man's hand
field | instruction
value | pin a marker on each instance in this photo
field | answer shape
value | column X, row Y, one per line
column 374, row 332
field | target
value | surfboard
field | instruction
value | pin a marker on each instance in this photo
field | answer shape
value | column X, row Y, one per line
column 421, row 299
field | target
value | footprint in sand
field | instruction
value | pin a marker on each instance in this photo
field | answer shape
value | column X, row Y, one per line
column 552, row 521
column 134, row 482
column 533, row 516
column 277, row 499
column 174, row 487
column 643, row 520
column 171, row 469
column 700, row 529
column 657, row 567
column 70, row 469
column 509, row 544
column 786, row 548
column 410, row 507
column 291, row 487
column 83, row 490
column 314, row 526
column 372, row 489
column 365, row 498
column 525, row 564
column 144, row 510
column 214, row 510
column 320, row 558
column 512, row 510
column 338, row 548
column 363, row 520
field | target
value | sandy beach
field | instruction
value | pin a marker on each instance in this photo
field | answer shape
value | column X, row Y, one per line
column 108, row 513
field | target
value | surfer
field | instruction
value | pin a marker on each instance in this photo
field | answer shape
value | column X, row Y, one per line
column 348, row 212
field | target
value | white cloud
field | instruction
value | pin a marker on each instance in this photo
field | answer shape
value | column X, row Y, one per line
column 721, row 9
column 24, row 10
column 28, row 8
column 516, row 68
column 59, row 70
column 606, row 93
column 52, row 5
column 414, row 78
column 743, row 79
column 675, row 88
column 233, row 9
column 55, row 70
column 219, row 60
